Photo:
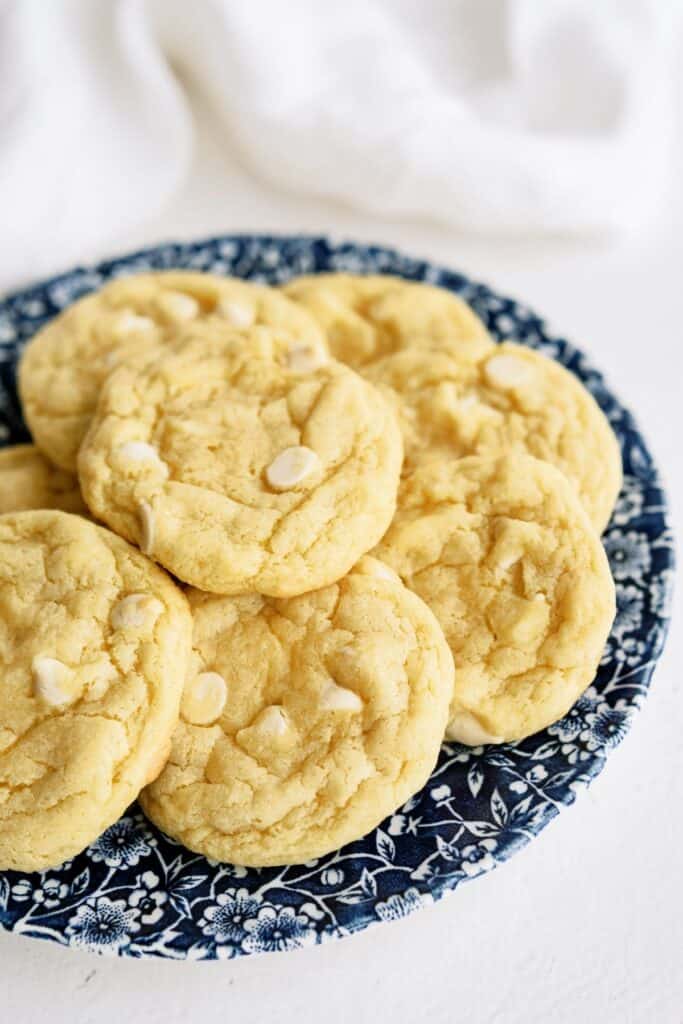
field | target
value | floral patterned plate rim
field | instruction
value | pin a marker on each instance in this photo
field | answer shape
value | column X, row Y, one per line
column 134, row 892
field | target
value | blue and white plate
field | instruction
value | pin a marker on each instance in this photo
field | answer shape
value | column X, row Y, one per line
column 136, row 893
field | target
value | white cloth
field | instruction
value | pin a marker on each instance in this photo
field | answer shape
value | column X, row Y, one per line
column 502, row 116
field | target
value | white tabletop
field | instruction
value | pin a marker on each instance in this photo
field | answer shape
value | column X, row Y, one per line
column 585, row 924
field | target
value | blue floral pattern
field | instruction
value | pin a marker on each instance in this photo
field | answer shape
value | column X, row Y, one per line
column 135, row 892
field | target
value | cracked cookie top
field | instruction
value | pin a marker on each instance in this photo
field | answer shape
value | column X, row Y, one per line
column 94, row 644
column 369, row 316
column 305, row 721
column 242, row 464
column 510, row 398
column 66, row 363
column 503, row 553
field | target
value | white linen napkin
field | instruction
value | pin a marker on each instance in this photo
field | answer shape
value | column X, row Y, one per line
column 502, row 116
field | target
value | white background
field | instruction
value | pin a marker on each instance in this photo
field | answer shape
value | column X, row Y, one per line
column 586, row 924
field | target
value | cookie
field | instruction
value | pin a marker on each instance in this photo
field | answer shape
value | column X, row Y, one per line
column 95, row 642
column 240, row 466
column 65, row 364
column 503, row 553
column 304, row 722
column 29, row 481
column 510, row 399
column 367, row 317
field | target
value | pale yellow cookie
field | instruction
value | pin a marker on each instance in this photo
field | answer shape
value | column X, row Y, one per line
column 65, row 364
column 304, row 722
column 94, row 642
column 512, row 398
column 367, row 317
column 29, row 481
column 240, row 470
column 503, row 553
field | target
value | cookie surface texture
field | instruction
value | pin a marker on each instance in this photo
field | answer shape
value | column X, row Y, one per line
column 510, row 399
column 66, row 363
column 304, row 722
column 367, row 317
column 240, row 471
column 94, row 645
column 503, row 553
column 30, row 481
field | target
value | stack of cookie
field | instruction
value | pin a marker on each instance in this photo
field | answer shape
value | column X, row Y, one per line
column 315, row 501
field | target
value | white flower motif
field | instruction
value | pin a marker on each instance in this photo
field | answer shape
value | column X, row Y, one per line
column 275, row 929
column 591, row 727
column 629, row 615
column 629, row 503
column 630, row 652
column 606, row 726
column 225, row 921
column 569, row 727
column 101, row 922
column 477, row 858
column 148, row 899
column 50, row 893
column 628, row 553
column 123, row 844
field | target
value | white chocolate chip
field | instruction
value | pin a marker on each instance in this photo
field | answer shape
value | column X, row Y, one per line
column 135, row 610
column 465, row 728
column 467, row 402
column 290, row 467
column 305, row 358
column 140, row 451
column 338, row 698
column 128, row 323
column 507, row 560
column 53, row 681
column 147, row 528
column 111, row 360
column 383, row 572
column 446, row 393
column 178, row 306
column 507, row 371
column 369, row 566
column 204, row 698
column 236, row 313
column 273, row 721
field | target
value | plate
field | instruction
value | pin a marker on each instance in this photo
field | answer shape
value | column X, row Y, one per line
column 136, row 893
